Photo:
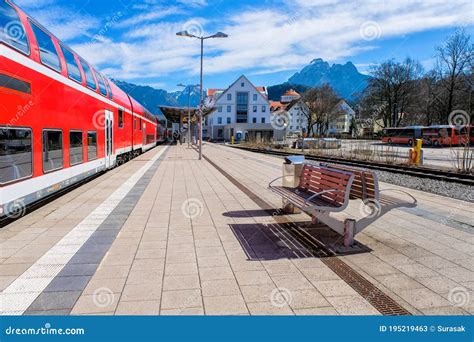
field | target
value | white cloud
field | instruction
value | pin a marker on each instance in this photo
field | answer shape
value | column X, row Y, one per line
column 263, row 38
column 194, row 3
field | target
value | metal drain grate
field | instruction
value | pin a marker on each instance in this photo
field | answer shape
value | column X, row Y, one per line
column 377, row 298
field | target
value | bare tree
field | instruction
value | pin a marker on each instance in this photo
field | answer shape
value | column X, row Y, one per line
column 454, row 62
column 393, row 89
column 320, row 103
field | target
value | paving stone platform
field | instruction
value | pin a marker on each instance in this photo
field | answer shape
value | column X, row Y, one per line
column 166, row 234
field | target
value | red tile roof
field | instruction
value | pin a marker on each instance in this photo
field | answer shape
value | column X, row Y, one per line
column 291, row 92
column 211, row 92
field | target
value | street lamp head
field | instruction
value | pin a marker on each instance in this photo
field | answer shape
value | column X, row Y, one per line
column 219, row 35
column 185, row 34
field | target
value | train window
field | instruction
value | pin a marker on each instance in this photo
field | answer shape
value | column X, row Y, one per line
column 76, row 154
column 102, row 87
column 72, row 67
column 120, row 118
column 109, row 90
column 89, row 76
column 91, row 145
column 134, row 123
column 16, row 159
column 48, row 54
column 12, row 31
column 140, row 124
column 52, row 150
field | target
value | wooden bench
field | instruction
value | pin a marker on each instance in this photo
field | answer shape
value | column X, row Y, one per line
column 328, row 188
column 365, row 185
column 321, row 191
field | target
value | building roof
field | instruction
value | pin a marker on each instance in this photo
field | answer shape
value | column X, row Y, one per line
column 175, row 114
column 211, row 92
column 276, row 104
column 217, row 93
column 291, row 92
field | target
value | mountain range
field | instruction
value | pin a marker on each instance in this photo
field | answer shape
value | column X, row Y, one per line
column 346, row 80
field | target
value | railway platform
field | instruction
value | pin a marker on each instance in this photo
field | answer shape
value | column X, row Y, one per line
column 166, row 234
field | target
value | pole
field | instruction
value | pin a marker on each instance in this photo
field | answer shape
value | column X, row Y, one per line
column 189, row 116
column 201, row 101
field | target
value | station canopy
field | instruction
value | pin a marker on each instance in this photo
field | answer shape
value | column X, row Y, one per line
column 180, row 114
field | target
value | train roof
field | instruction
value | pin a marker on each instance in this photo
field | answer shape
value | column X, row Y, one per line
column 118, row 95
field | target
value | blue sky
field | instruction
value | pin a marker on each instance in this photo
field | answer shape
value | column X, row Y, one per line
column 269, row 40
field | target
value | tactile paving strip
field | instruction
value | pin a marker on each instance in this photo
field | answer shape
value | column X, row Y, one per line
column 376, row 297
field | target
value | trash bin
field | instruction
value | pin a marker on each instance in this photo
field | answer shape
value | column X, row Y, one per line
column 292, row 168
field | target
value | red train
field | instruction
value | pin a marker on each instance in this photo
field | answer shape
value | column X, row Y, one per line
column 61, row 121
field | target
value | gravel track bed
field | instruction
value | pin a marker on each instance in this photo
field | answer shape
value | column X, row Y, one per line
column 451, row 190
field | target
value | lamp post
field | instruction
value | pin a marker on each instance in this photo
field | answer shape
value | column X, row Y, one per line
column 189, row 87
column 201, row 100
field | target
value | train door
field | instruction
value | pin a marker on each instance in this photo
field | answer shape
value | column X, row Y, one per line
column 109, row 124
column 144, row 135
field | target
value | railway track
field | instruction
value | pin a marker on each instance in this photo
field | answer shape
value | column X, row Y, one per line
column 420, row 172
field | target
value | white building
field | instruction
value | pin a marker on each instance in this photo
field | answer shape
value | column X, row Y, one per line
column 242, row 111
column 294, row 109
column 343, row 116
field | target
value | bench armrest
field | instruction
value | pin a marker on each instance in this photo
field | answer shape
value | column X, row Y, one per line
column 321, row 193
column 273, row 181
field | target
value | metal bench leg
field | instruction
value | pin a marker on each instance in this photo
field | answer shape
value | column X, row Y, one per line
column 349, row 228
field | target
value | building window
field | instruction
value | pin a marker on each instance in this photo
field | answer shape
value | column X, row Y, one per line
column 219, row 120
column 254, row 109
column 228, row 120
column 242, row 107
column 72, row 67
column 16, row 158
column 229, row 97
column 263, row 120
column 52, row 150
column 220, row 133
column 48, row 54
column 76, row 154
column 254, row 120
column 120, row 118
column 219, row 109
column 255, row 97
column 91, row 145
column 242, row 84
column 264, row 109
column 229, row 109
column 19, row 39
